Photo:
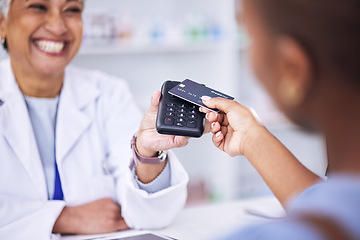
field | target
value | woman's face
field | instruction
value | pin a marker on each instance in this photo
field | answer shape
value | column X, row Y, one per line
column 43, row 36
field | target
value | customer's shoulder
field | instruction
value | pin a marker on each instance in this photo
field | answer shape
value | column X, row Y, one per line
column 337, row 187
column 338, row 198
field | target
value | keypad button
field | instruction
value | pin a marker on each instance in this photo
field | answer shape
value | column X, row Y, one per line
column 192, row 111
column 170, row 109
column 182, row 115
column 171, row 105
column 191, row 124
column 182, row 105
column 170, row 114
column 194, row 107
column 169, row 121
column 180, row 120
column 192, row 116
column 182, row 110
column 180, row 124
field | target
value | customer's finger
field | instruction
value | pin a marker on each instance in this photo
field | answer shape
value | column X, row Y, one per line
column 214, row 117
column 222, row 104
column 215, row 127
column 218, row 139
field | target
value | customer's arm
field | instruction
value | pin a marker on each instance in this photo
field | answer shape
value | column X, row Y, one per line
column 237, row 132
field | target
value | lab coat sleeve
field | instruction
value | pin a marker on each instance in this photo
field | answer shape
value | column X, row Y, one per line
column 17, row 218
column 161, row 182
column 140, row 209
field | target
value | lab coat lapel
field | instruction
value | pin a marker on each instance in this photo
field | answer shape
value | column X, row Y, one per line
column 16, row 127
column 72, row 122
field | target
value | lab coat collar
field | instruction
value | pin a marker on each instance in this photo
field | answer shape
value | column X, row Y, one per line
column 7, row 83
column 77, row 94
column 16, row 127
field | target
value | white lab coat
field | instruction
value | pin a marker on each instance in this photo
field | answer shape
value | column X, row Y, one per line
column 96, row 120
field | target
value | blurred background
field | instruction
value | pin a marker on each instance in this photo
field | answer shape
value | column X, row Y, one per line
column 147, row 42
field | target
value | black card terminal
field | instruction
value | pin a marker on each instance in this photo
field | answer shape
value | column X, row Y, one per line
column 178, row 117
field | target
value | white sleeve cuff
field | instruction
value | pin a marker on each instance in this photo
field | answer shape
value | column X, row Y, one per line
column 159, row 183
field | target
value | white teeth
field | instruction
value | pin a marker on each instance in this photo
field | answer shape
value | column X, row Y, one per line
column 50, row 47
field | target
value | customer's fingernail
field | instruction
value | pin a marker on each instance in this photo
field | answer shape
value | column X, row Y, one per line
column 205, row 98
column 213, row 125
column 218, row 134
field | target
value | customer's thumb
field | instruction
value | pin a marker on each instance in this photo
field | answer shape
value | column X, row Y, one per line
column 222, row 104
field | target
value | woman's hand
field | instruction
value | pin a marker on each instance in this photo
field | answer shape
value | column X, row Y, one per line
column 232, row 126
column 101, row 216
column 149, row 141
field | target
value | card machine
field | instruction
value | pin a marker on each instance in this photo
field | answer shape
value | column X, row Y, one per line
column 178, row 117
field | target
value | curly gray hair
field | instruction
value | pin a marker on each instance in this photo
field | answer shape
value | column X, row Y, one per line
column 5, row 5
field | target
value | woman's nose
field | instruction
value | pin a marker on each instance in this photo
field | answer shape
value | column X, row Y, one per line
column 56, row 24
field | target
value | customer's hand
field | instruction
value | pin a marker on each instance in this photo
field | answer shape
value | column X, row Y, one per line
column 232, row 126
column 101, row 216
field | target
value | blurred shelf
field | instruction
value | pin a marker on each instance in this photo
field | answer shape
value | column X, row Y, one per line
column 118, row 49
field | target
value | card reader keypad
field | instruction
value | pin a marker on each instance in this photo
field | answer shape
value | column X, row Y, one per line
column 181, row 115
column 178, row 117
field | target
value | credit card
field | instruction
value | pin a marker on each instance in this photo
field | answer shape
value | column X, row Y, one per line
column 192, row 92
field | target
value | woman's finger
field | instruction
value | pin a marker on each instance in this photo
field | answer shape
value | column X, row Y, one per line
column 155, row 100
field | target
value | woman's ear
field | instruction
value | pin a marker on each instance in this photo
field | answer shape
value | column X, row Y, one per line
column 295, row 71
column 2, row 26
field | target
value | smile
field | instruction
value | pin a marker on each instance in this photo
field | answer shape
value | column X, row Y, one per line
column 50, row 47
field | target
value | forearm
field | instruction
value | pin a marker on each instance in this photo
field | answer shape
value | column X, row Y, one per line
column 146, row 173
column 100, row 216
column 66, row 222
column 283, row 173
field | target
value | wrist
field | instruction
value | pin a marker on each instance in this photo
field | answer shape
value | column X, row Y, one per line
column 147, row 173
column 142, row 150
column 253, row 140
column 156, row 158
column 66, row 223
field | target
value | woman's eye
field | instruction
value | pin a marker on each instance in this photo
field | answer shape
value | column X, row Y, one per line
column 74, row 10
column 38, row 7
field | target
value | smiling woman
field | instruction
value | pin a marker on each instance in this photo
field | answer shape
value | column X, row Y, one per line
column 65, row 155
column 53, row 34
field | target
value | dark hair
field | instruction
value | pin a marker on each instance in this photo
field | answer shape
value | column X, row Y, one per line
column 329, row 30
column 5, row 45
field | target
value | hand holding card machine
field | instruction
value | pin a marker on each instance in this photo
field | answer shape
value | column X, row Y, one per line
column 178, row 117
